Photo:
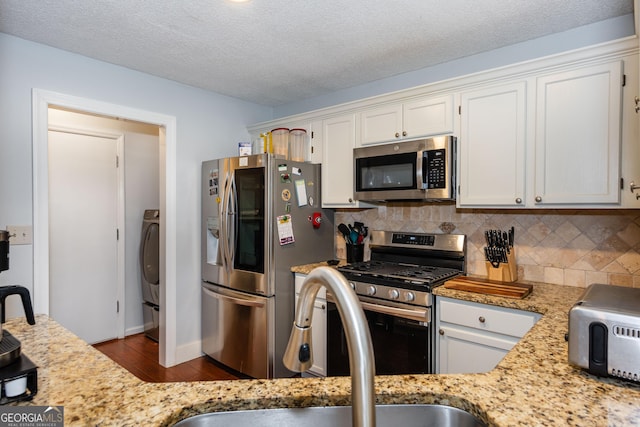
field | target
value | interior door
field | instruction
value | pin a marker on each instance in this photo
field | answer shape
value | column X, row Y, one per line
column 83, row 251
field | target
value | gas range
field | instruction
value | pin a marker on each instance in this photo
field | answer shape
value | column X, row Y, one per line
column 404, row 267
column 394, row 290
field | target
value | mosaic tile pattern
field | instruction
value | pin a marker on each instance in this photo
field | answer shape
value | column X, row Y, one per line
column 564, row 247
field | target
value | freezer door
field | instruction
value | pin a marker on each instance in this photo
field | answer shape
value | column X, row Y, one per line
column 235, row 330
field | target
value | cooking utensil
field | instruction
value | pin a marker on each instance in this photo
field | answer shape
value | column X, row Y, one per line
column 346, row 233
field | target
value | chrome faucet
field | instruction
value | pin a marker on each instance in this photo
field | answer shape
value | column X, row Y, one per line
column 298, row 356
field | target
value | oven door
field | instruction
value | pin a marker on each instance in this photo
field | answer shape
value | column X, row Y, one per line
column 402, row 336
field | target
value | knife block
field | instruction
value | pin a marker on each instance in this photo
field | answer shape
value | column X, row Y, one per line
column 506, row 271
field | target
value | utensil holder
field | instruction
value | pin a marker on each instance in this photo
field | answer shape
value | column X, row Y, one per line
column 506, row 271
column 355, row 253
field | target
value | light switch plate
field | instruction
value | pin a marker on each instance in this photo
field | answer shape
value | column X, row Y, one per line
column 20, row 234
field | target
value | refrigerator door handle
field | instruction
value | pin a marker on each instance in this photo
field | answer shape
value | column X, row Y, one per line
column 237, row 301
column 224, row 217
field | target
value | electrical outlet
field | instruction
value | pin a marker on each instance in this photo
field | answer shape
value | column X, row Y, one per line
column 20, row 234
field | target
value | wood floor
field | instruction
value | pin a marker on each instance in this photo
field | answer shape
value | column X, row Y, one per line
column 139, row 355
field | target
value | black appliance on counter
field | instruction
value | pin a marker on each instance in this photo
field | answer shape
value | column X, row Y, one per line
column 394, row 288
column 18, row 374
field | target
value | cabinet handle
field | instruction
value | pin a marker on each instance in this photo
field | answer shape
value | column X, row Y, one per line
column 538, row 199
column 404, row 133
column 441, row 331
column 397, row 135
column 323, row 306
column 518, row 200
column 350, row 200
column 482, row 319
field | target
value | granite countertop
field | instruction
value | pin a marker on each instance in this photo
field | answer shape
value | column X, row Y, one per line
column 533, row 385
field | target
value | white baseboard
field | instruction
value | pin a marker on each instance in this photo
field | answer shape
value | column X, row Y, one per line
column 188, row 351
column 134, row 330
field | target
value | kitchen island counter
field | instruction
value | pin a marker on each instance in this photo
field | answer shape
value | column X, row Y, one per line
column 533, row 385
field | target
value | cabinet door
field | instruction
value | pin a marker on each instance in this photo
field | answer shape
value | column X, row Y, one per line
column 492, row 146
column 578, row 125
column 381, row 124
column 413, row 119
column 430, row 116
column 464, row 352
column 337, row 161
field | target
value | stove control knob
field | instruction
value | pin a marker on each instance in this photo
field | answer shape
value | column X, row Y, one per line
column 394, row 294
column 371, row 290
column 409, row 296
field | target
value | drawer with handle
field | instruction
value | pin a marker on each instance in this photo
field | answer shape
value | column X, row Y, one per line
column 499, row 320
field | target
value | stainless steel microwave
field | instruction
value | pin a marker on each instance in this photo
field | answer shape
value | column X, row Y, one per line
column 423, row 169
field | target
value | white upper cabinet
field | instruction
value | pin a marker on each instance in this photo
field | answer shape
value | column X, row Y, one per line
column 548, row 141
column 339, row 136
column 578, row 136
column 408, row 120
column 491, row 146
column 557, row 132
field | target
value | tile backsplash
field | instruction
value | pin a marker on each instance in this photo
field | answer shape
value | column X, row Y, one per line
column 567, row 247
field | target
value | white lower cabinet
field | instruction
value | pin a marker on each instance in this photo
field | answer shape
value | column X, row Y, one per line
column 473, row 338
column 318, row 330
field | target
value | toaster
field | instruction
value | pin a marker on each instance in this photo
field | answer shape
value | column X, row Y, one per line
column 604, row 331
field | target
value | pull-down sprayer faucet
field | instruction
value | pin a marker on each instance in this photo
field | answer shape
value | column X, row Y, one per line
column 298, row 356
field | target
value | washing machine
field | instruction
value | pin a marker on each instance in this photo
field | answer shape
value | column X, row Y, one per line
column 150, row 268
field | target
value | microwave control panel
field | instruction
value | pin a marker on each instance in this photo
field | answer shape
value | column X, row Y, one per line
column 436, row 168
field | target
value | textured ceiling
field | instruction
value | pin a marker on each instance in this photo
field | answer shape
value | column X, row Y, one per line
column 273, row 52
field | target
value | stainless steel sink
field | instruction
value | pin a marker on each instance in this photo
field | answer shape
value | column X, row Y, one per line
column 338, row 416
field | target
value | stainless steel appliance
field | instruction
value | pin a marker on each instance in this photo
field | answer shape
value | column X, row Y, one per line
column 18, row 375
column 150, row 272
column 412, row 170
column 604, row 331
column 260, row 216
column 394, row 288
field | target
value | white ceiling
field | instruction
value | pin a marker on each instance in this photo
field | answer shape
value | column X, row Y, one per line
column 273, row 52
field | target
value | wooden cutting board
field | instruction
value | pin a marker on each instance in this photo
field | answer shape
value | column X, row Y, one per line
column 489, row 287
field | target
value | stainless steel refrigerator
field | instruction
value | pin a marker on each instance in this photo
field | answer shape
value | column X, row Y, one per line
column 259, row 218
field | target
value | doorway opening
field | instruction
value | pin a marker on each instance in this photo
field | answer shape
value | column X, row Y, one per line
column 42, row 100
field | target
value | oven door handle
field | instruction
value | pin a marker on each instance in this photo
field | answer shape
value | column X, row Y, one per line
column 418, row 314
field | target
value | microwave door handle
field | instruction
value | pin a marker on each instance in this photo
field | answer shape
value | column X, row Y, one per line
column 421, row 170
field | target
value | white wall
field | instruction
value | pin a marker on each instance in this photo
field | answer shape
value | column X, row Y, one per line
column 587, row 35
column 208, row 126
